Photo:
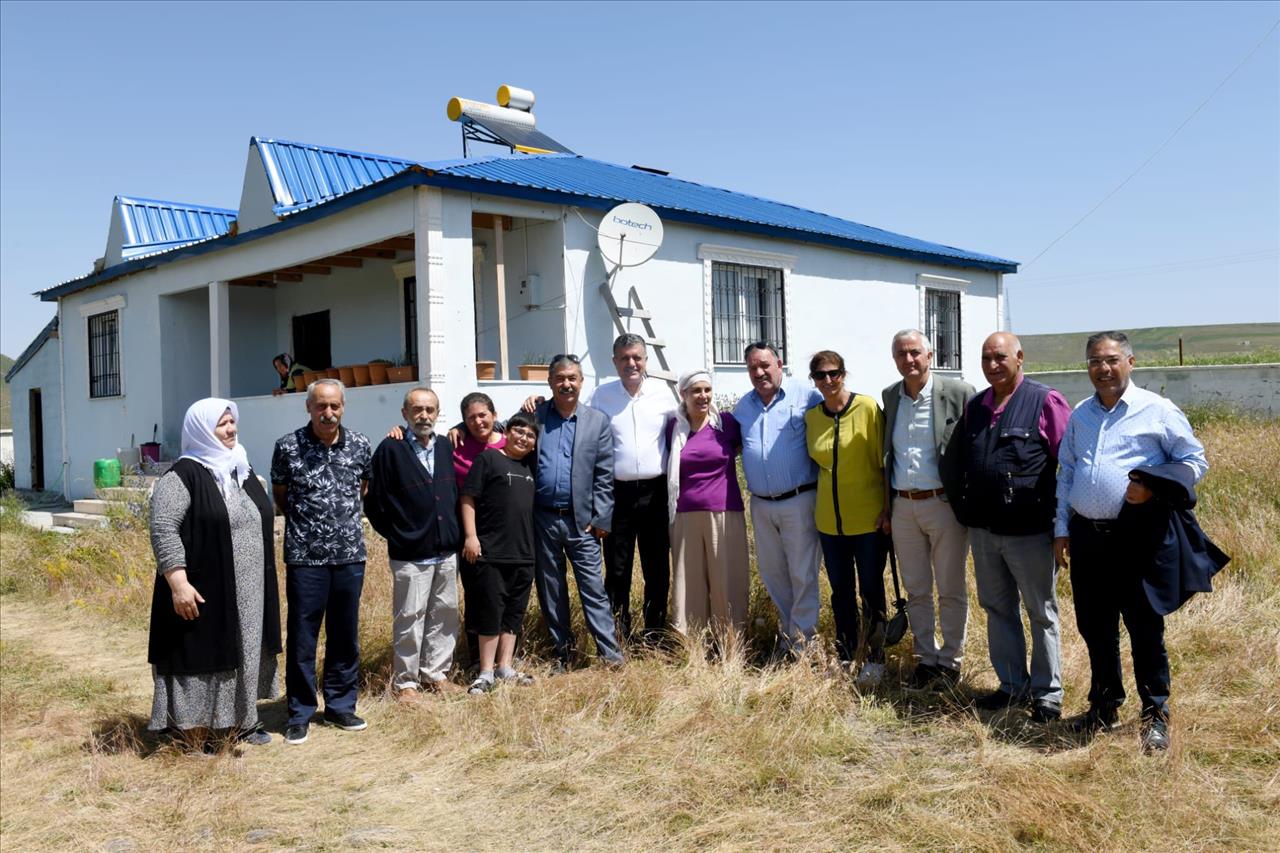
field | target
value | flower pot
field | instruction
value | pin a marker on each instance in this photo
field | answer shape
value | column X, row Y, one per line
column 310, row 376
column 361, row 372
column 534, row 371
column 332, row 373
column 486, row 369
column 300, row 382
column 407, row 373
column 378, row 372
column 347, row 375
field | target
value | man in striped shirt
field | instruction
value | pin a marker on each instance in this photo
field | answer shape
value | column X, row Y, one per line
column 1118, row 429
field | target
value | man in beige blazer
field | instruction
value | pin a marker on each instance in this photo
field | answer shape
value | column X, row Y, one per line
column 921, row 412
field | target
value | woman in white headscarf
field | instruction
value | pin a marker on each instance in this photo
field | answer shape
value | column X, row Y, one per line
column 710, row 577
column 215, row 610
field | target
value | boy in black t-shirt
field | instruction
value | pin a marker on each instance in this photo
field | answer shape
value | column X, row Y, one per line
column 497, row 521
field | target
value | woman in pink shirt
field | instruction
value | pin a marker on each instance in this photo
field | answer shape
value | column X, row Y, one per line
column 478, row 417
column 710, row 583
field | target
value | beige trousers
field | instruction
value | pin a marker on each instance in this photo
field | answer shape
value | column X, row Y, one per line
column 931, row 548
column 711, row 573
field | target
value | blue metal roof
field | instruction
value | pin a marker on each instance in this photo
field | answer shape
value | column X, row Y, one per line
column 311, row 181
column 583, row 177
column 154, row 226
column 304, row 175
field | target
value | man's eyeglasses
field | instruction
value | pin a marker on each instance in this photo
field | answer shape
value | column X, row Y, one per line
column 1109, row 361
column 826, row 374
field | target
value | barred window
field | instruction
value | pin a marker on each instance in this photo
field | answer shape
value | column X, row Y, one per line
column 942, row 325
column 747, row 306
column 104, row 354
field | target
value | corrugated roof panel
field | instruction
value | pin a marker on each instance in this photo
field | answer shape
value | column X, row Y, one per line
column 151, row 225
column 596, row 179
column 304, row 175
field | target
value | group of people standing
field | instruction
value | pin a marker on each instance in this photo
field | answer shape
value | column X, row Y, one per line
column 833, row 477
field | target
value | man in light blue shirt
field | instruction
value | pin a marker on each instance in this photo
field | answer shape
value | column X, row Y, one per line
column 1120, row 428
column 783, row 482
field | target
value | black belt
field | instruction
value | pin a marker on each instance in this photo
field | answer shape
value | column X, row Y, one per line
column 807, row 487
column 558, row 510
column 1101, row 525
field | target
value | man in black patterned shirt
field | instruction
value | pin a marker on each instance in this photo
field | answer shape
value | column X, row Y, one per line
column 319, row 475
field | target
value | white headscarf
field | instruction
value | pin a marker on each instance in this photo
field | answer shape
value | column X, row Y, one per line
column 680, row 435
column 199, row 443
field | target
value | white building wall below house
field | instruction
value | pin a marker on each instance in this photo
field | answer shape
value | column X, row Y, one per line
column 41, row 372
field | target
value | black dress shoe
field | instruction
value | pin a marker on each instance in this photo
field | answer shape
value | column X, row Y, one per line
column 1045, row 712
column 947, row 678
column 996, row 700
column 923, row 676
column 1155, row 735
column 1096, row 719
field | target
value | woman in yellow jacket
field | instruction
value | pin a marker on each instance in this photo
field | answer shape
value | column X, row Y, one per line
column 844, row 435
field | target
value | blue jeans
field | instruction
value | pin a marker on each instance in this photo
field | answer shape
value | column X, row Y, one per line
column 557, row 537
column 329, row 594
column 841, row 554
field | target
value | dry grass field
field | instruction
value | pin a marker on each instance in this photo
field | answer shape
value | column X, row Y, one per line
column 671, row 752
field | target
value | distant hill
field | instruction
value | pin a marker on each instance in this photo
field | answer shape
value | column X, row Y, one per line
column 6, row 415
column 1233, row 343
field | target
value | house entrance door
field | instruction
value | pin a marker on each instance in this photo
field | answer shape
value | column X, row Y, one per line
column 36, row 422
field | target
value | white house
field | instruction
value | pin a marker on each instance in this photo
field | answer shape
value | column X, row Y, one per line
column 341, row 257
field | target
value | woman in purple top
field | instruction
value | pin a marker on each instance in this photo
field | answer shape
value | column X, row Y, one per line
column 478, row 416
column 710, row 582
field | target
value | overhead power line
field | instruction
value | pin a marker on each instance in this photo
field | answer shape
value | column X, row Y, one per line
column 1161, row 269
column 1159, row 148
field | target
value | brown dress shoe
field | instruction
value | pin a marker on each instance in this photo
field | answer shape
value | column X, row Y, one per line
column 444, row 687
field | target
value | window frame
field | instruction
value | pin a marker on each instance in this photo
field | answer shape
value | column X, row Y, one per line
column 712, row 255
column 112, row 357
column 943, row 286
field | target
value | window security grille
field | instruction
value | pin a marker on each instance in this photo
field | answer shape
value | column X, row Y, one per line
column 942, row 325
column 104, row 354
column 747, row 306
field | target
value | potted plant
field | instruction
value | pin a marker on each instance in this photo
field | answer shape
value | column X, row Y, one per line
column 378, row 370
column 310, row 376
column 534, row 366
column 403, row 370
column 361, row 373
column 486, row 369
column 347, row 375
column 332, row 373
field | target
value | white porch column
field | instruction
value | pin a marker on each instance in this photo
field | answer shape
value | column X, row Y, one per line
column 220, row 339
column 428, row 270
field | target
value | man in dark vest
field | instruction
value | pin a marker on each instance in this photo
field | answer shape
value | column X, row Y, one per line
column 412, row 502
column 1006, row 451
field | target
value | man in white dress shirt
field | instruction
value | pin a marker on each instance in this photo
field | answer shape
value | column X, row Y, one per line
column 638, row 408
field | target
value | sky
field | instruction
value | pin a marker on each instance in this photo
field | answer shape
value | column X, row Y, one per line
column 991, row 127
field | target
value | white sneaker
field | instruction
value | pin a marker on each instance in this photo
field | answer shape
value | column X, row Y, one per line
column 871, row 675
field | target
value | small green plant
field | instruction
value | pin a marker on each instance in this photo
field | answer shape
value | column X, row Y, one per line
column 6, row 476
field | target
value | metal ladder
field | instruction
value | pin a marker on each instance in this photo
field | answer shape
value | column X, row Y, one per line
column 635, row 310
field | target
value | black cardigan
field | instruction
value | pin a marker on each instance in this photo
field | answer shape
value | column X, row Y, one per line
column 416, row 513
column 211, row 641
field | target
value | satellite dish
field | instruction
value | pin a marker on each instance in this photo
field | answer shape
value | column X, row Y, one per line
column 629, row 235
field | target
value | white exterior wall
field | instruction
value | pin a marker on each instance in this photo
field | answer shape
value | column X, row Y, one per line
column 1247, row 387
column 42, row 372
column 839, row 300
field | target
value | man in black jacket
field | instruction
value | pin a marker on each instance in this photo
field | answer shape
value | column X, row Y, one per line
column 412, row 502
column 1006, row 453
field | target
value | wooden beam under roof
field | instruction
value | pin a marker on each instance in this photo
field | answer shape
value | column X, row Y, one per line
column 288, row 276
column 404, row 244
column 308, row 269
column 487, row 220
column 253, row 281
column 342, row 261
column 385, row 254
